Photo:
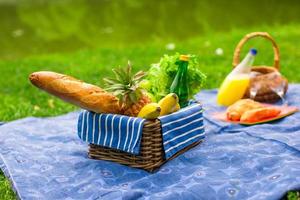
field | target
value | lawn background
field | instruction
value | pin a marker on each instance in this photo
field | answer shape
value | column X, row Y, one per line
column 18, row 98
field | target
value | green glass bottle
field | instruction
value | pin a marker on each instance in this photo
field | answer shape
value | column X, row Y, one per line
column 179, row 85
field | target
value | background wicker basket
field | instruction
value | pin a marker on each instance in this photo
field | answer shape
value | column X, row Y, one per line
column 151, row 154
column 267, row 77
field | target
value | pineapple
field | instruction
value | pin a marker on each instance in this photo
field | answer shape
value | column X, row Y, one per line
column 126, row 86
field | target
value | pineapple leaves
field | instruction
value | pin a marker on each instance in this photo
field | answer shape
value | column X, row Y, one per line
column 138, row 76
column 109, row 81
column 126, row 85
column 129, row 71
column 119, row 75
column 133, row 97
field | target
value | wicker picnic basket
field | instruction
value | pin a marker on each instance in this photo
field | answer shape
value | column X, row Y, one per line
column 267, row 76
column 151, row 153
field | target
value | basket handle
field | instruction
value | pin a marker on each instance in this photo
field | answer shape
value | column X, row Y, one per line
column 237, row 51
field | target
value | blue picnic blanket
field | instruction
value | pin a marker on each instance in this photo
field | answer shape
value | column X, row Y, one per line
column 44, row 159
column 179, row 129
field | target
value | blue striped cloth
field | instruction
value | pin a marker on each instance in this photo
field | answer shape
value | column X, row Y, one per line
column 110, row 130
column 124, row 133
column 182, row 128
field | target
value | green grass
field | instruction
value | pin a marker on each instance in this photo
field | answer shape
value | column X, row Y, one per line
column 18, row 98
column 293, row 195
column 5, row 190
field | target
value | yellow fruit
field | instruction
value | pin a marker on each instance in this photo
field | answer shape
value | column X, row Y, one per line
column 135, row 108
column 176, row 108
column 150, row 111
column 168, row 103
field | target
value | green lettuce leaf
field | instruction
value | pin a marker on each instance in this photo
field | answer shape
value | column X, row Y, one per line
column 161, row 75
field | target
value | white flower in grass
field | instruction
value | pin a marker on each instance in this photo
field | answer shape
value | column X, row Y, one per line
column 219, row 52
column 17, row 32
column 170, row 46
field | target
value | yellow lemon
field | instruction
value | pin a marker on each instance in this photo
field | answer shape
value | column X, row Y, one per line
column 150, row 111
column 176, row 108
column 168, row 104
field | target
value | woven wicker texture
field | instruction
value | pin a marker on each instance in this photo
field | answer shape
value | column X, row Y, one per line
column 152, row 153
column 267, row 76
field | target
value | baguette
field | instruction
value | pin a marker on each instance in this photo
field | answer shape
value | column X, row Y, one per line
column 77, row 92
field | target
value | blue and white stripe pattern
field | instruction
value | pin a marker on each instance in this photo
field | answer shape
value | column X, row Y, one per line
column 124, row 133
column 113, row 131
column 182, row 128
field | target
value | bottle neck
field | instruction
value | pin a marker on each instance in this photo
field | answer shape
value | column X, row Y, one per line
column 248, row 60
column 182, row 66
column 245, row 66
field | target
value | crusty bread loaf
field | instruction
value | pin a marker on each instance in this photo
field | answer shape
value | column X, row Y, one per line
column 79, row 93
column 236, row 110
column 259, row 114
